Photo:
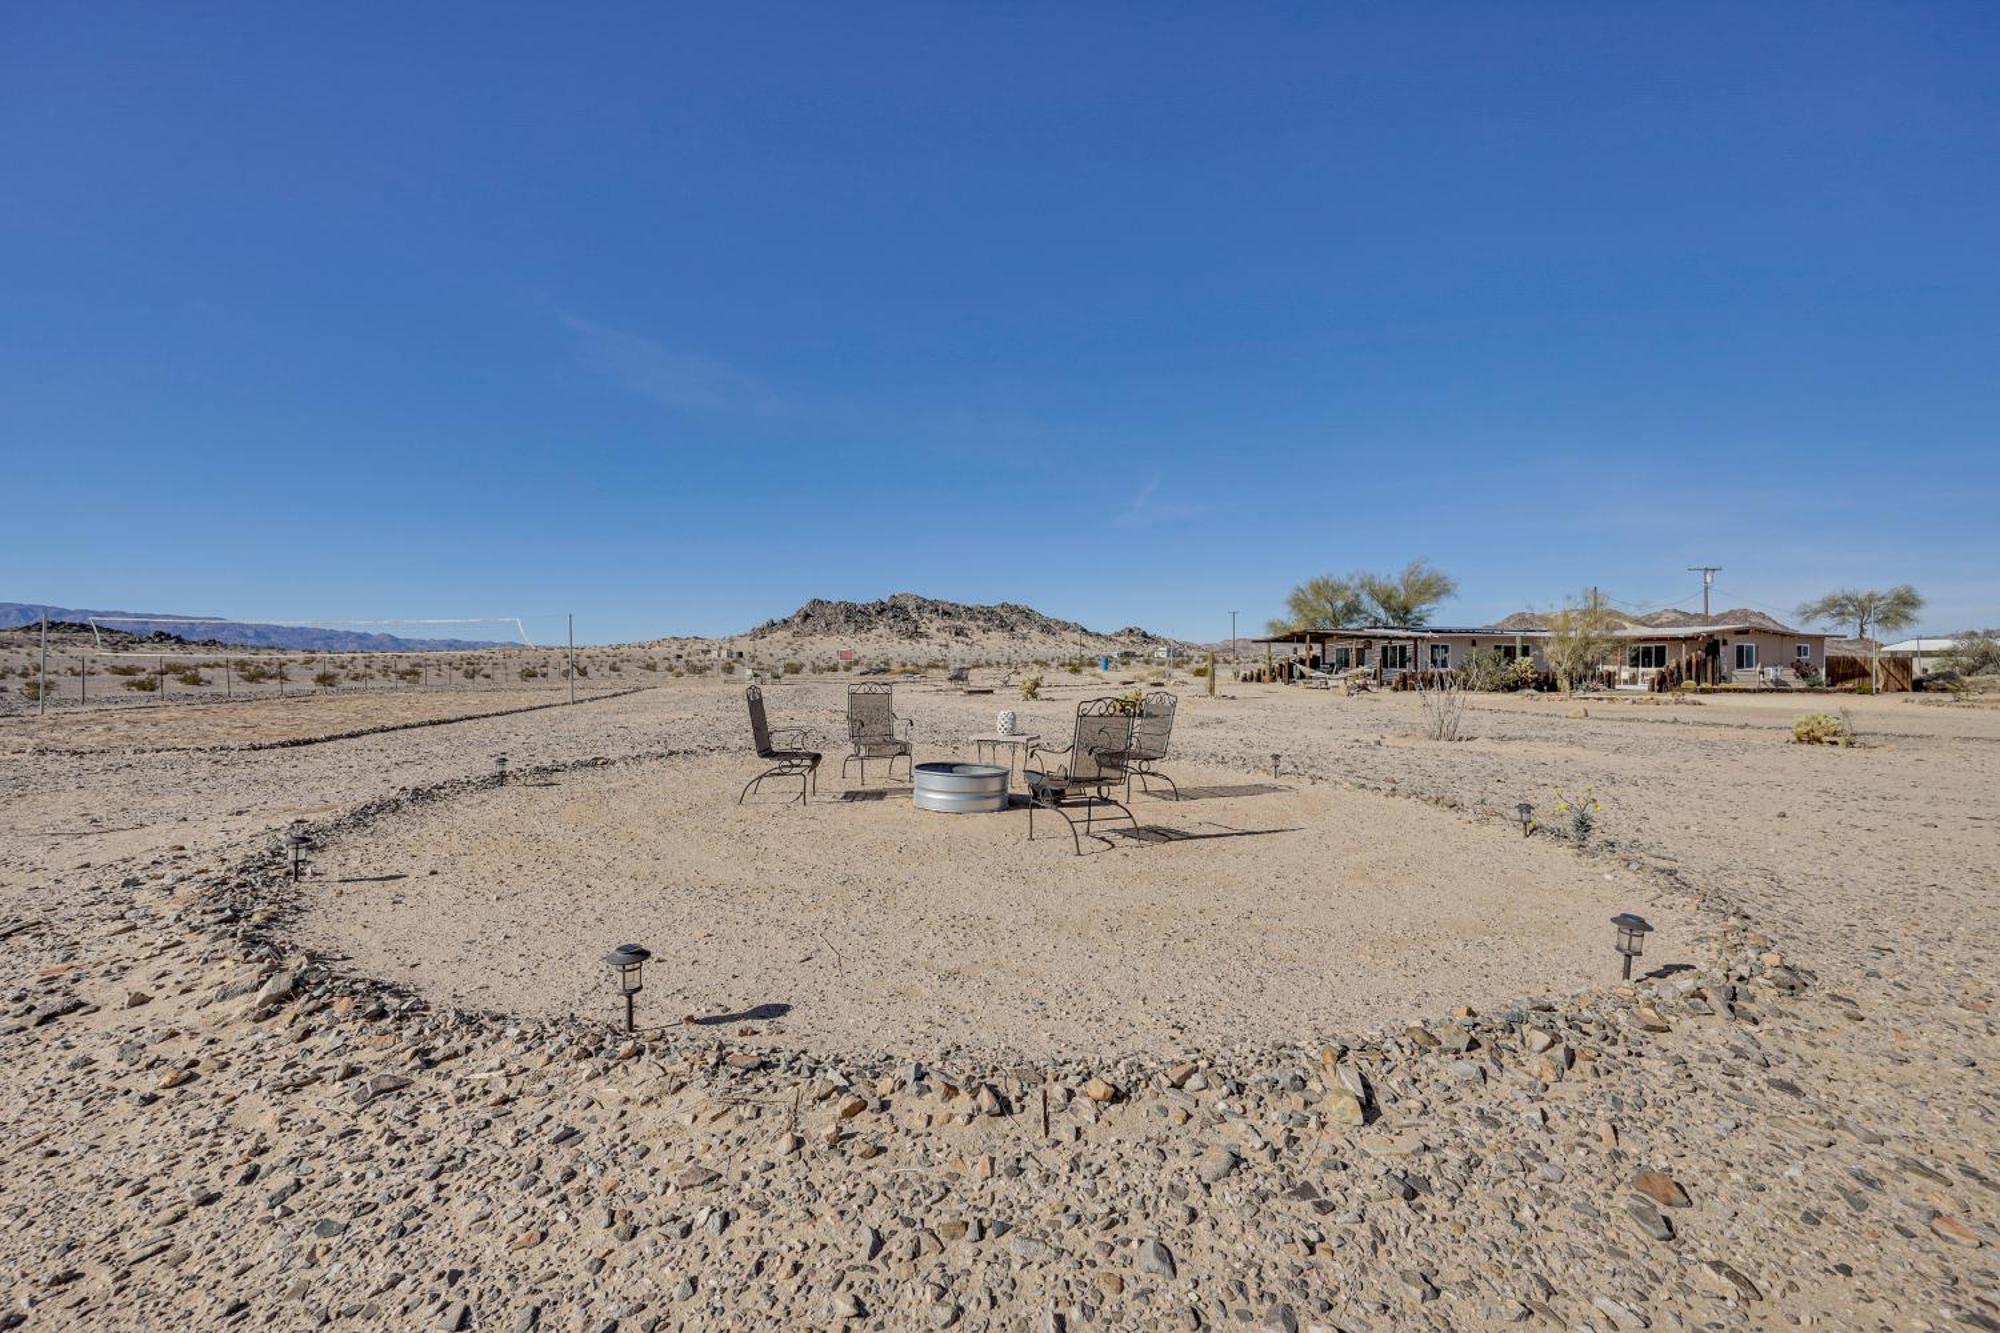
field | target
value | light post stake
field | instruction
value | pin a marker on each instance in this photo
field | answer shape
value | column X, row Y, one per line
column 1632, row 932
column 626, row 962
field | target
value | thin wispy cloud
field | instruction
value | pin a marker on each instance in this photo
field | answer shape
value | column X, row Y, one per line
column 672, row 379
column 1147, row 509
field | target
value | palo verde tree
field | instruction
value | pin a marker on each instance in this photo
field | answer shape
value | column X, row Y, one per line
column 1889, row 611
column 1324, row 602
column 1405, row 599
column 1582, row 641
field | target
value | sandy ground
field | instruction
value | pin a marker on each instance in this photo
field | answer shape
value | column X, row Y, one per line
column 1819, row 1084
column 299, row 717
column 1251, row 912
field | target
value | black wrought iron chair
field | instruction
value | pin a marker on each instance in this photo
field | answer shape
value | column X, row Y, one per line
column 792, row 761
column 876, row 732
column 1091, row 764
column 1152, row 730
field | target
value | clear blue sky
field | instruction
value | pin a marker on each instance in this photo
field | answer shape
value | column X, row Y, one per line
column 677, row 316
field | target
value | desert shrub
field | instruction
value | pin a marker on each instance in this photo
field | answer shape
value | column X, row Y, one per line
column 325, row 679
column 1814, row 681
column 529, row 673
column 1583, row 812
column 649, row 666
column 1130, row 702
column 1486, row 670
column 1975, row 655
column 124, row 669
column 1198, row 671
column 582, row 670
column 470, row 673
column 1441, row 697
column 697, row 669
column 252, row 673
column 31, row 690
column 1864, row 687
column 1031, row 687
column 1821, row 729
column 1076, row 668
column 143, row 684
column 410, row 675
column 190, row 677
column 794, row 668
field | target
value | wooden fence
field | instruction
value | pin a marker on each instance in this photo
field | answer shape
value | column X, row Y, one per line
column 1842, row 669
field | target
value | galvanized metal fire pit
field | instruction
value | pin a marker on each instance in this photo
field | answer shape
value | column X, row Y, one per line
column 960, row 789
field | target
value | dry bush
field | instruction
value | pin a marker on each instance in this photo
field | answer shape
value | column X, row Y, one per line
column 1822, row 729
column 1441, row 697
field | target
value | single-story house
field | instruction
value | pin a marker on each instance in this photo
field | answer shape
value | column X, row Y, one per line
column 1743, row 649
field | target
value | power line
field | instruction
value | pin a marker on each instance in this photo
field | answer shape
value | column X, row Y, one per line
column 1708, row 573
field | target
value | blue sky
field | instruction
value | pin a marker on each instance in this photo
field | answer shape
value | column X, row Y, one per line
column 676, row 316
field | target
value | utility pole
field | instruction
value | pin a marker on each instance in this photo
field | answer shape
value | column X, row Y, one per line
column 572, row 657
column 42, row 689
column 1232, row 636
column 1708, row 573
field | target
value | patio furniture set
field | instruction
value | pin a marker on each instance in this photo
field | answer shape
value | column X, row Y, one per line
column 1115, row 742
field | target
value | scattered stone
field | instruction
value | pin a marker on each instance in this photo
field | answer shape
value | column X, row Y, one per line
column 1661, row 1188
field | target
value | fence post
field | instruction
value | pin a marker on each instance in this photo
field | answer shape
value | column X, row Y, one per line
column 42, row 689
column 572, row 657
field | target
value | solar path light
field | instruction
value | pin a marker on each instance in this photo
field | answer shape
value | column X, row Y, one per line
column 1274, row 765
column 1632, row 932
column 500, row 767
column 626, row 962
column 1526, row 814
column 295, row 855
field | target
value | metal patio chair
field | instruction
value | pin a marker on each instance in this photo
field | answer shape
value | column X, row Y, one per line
column 1092, row 763
column 1152, row 730
column 793, row 761
column 876, row 732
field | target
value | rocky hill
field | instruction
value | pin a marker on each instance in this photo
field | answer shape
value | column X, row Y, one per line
column 907, row 627
column 1670, row 618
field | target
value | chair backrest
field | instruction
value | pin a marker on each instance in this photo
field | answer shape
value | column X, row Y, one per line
column 760, row 728
column 871, row 712
column 1103, row 737
column 1154, row 726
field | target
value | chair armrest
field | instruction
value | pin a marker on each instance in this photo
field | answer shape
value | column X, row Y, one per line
column 909, row 726
column 799, row 732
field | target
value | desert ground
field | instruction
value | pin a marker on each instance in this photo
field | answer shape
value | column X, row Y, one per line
column 1334, row 1048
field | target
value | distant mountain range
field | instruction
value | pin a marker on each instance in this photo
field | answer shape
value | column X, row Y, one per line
column 1670, row 618
column 903, row 627
column 158, row 625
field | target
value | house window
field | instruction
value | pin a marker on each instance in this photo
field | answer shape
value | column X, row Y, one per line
column 1647, row 656
column 1395, row 657
column 1804, row 653
column 1440, row 657
column 1746, row 657
column 1342, row 659
column 1510, row 652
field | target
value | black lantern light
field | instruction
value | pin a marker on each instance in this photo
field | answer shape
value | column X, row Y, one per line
column 1274, row 764
column 626, row 961
column 295, row 854
column 1632, row 932
column 1526, row 814
column 500, row 767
